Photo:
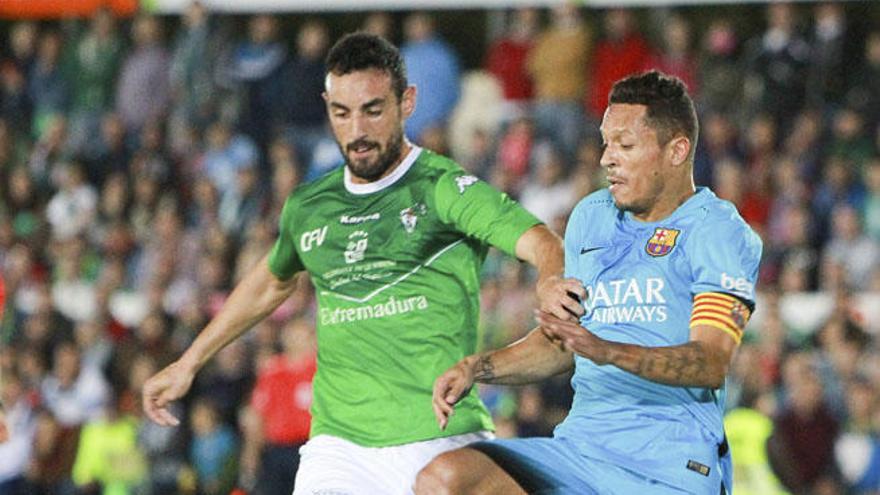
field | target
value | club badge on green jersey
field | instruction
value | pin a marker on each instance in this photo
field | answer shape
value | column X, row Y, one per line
column 410, row 216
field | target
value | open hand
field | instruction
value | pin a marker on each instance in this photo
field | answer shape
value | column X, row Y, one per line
column 161, row 389
column 449, row 388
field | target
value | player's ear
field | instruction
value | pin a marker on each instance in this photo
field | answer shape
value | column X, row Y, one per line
column 408, row 101
column 679, row 148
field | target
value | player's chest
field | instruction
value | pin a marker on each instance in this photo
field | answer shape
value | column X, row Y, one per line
column 368, row 238
column 634, row 264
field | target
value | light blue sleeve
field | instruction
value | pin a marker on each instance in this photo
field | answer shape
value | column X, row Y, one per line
column 574, row 238
column 724, row 255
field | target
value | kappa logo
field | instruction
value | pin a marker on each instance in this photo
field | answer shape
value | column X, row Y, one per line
column 353, row 220
column 410, row 216
column 465, row 181
column 662, row 242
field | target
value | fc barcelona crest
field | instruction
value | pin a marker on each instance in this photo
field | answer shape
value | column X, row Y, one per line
column 662, row 242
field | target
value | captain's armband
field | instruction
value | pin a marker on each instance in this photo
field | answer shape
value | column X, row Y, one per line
column 722, row 311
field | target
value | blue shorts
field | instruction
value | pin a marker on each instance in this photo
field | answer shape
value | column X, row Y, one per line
column 552, row 466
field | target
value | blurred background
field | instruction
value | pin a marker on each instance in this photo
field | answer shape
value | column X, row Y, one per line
column 146, row 151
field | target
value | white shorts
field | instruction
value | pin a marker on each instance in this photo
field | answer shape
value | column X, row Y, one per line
column 332, row 466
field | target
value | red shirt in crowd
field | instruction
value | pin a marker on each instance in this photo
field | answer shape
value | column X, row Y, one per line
column 282, row 397
column 506, row 60
column 613, row 61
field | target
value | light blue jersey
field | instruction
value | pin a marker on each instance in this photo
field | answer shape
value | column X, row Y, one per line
column 641, row 279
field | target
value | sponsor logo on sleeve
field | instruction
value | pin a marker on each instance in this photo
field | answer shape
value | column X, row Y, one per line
column 465, row 181
column 737, row 285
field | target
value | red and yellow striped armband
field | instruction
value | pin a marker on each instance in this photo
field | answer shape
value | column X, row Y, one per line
column 721, row 311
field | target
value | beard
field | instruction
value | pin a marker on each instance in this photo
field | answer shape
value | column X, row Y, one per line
column 371, row 171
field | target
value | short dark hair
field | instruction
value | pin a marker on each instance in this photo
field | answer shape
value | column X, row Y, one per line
column 670, row 109
column 362, row 51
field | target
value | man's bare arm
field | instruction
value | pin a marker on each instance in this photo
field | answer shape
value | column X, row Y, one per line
column 530, row 359
column 257, row 295
column 254, row 298
column 542, row 248
column 701, row 362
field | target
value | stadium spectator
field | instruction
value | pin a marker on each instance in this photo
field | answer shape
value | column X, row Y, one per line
column 801, row 448
column 213, row 451
column 142, row 90
column 193, row 72
column 548, row 194
column 257, row 68
column 719, row 69
column 433, row 67
column 280, row 407
column 108, row 457
column 305, row 121
column 506, row 59
column 674, row 55
column 833, row 51
column 557, row 63
column 48, row 87
column 864, row 84
column 621, row 51
column 851, row 249
column 94, row 62
column 74, row 393
column 17, row 431
column 72, row 209
column 777, row 64
column 870, row 209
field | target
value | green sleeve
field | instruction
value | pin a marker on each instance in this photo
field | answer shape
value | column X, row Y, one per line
column 481, row 211
column 284, row 260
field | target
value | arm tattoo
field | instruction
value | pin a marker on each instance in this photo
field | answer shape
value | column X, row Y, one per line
column 685, row 365
column 485, row 371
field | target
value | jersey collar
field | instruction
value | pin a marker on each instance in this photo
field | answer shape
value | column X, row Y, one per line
column 394, row 176
column 697, row 200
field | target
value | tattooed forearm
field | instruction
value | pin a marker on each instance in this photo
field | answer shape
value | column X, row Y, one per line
column 688, row 365
column 485, row 370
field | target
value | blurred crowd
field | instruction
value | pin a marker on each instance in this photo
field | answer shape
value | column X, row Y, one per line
column 144, row 162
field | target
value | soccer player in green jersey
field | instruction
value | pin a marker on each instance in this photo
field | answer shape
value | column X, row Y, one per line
column 393, row 243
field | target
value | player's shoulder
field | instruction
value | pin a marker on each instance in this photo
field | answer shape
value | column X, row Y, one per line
column 597, row 203
column 331, row 182
column 447, row 175
column 721, row 220
column 440, row 167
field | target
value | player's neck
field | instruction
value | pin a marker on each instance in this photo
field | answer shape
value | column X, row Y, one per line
column 405, row 148
column 668, row 201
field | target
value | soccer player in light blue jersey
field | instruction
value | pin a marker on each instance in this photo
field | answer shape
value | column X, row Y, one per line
column 669, row 271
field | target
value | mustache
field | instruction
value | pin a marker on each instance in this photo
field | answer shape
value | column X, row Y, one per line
column 361, row 142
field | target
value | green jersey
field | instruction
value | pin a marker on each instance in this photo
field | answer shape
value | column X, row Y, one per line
column 395, row 264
